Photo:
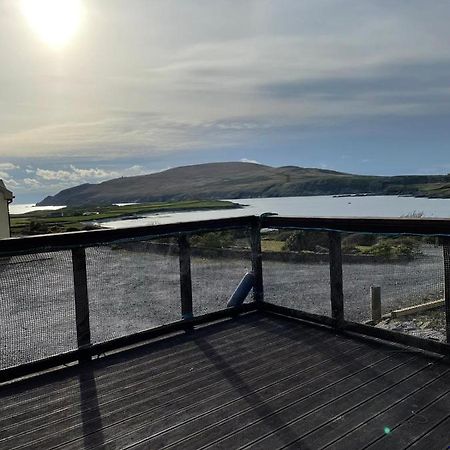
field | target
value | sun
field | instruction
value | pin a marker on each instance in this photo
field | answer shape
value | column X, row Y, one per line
column 54, row 21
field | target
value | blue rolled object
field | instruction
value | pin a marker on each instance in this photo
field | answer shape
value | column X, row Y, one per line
column 241, row 292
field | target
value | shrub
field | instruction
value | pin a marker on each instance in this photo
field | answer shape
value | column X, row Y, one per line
column 219, row 239
column 37, row 227
column 294, row 242
column 349, row 249
column 392, row 248
column 306, row 240
column 383, row 249
column 352, row 240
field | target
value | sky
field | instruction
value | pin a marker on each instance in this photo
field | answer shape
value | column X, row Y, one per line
column 138, row 86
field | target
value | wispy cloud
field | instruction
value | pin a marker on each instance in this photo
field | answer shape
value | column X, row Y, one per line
column 299, row 63
column 135, row 132
column 32, row 183
column 249, row 161
column 78, row 175
column 8, row 166
column 49, row 180
column 197, row 78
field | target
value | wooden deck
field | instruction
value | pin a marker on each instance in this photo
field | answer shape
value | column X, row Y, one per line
column 259, row 381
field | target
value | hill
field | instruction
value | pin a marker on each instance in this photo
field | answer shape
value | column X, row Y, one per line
column 244, row 180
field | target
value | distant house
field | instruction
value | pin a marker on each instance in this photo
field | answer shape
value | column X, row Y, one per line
column 6, row 197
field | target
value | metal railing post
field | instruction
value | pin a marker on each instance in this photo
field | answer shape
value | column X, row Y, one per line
column 336, row 283
column 185, row 277
column 255, row 242
column 81, row 303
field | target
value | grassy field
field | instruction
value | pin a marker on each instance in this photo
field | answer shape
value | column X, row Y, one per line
column 78, row 218
column 269, row 245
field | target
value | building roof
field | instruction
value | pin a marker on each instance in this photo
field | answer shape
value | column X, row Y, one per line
column 7, row 194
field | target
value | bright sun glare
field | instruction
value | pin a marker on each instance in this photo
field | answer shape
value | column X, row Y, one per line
column 55, row 21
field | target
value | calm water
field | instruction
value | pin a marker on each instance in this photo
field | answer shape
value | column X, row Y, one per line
column 320, row 206
column 22, row 208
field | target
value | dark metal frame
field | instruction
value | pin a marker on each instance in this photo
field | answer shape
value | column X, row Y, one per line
column 78, row 241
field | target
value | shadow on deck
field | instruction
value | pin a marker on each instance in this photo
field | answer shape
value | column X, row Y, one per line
column 258, row 381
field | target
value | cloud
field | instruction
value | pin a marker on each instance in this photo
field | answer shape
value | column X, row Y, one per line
column 396, row 89
column 245, row 160
column 302, row 63
column 74, row 174
column 79, row 175
column 11, row 183
column 32, row 183
column 49, row 180
column 8, row 166
column 54, row 174
column 212, row 77
column 139, row 132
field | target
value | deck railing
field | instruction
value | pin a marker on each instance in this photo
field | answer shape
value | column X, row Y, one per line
column 77, row 242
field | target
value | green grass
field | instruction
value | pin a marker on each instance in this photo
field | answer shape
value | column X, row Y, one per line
column 272, row 246
column 364, row 249
column 75, row 218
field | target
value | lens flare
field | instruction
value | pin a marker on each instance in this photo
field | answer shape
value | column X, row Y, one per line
column 54, row 21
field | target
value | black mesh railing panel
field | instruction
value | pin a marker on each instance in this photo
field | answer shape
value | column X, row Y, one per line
column 131, row 287
column 408, row 270
column 296, row 270
column 135, row 286
column 37, row 307
column 219, row 261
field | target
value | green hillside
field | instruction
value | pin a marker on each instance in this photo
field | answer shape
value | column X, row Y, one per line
column 245, row 180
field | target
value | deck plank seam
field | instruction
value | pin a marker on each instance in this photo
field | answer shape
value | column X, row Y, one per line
column 400, row 400
column 428, row 433
column 153, row 387
column 250, row 320
column 353, row 389
column 430, row 403
column 346, row 411
column 248, row 409
column 163, row 374
column 243, row 396
column 411, row 359
column 125, row 364
column 184, row 385
column 145, row 363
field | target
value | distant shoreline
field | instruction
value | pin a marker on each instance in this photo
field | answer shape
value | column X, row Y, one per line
column 62, row 219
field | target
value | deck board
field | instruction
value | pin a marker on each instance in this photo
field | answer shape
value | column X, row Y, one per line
column 260, row 381
column 420, row 421
column 129, row 382
column 280, row 421
column 436, row 438
column 342, row 422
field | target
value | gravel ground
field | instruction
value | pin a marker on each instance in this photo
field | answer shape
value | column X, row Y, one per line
column 306, row 286
column 427, row 325
column 131, row 291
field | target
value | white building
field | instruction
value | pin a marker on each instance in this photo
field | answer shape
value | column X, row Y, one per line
column 6, row 197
